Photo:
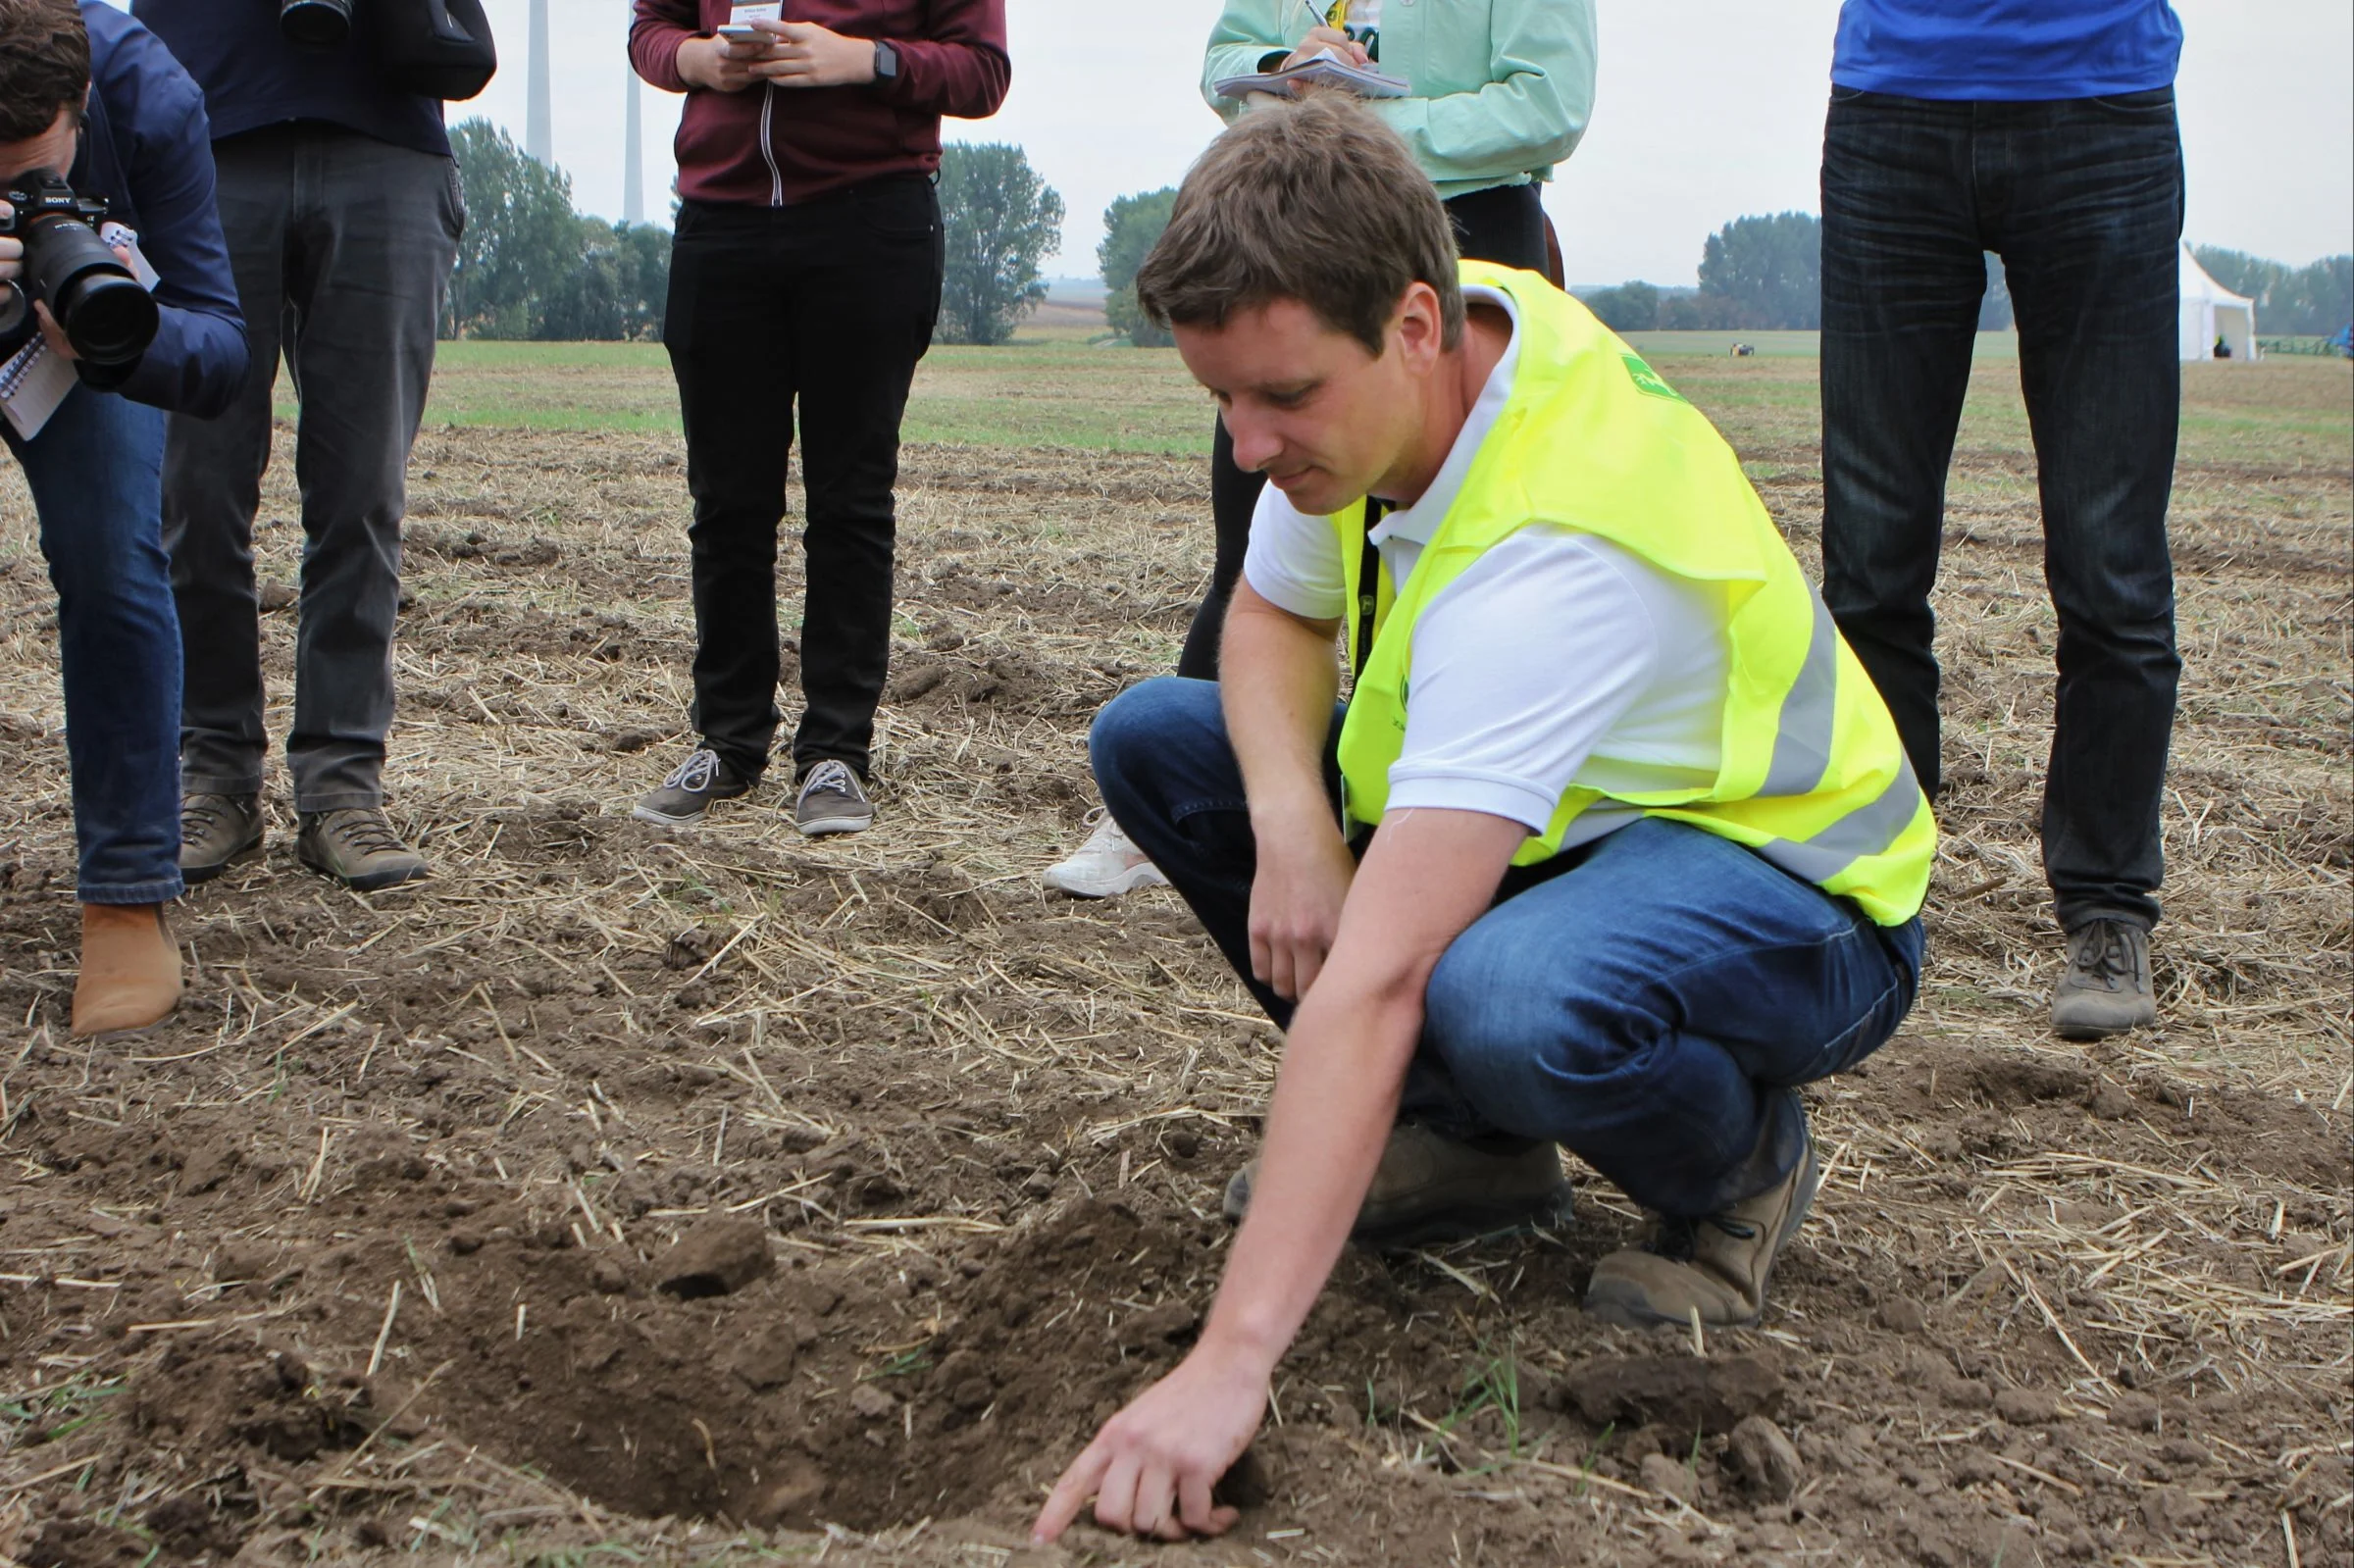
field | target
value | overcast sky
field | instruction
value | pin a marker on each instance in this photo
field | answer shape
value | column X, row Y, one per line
column 1705, row 110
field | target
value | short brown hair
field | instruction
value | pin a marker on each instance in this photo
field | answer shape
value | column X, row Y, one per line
column 44, row 65
column 1313, row 200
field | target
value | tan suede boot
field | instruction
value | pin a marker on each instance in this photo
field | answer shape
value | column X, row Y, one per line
column 130, row 969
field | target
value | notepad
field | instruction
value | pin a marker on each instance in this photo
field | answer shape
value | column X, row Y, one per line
column 32, row 385
column 1326, row 70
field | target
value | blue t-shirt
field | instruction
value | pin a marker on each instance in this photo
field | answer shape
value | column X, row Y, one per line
column 253, row 77
column 2014, row 50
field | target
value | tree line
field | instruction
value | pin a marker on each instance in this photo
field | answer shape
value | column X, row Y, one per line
column 2311, row 301
column 529, row 266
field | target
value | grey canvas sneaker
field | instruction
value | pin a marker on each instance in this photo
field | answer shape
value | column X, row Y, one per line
column 1716, row 1265
column 1432, row 1189
column 216, row 831
column 2105, row 990
column 689, row 788
column 831, row 800
column 357, row 846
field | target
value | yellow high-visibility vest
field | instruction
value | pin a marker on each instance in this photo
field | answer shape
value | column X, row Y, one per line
column 1813, row 774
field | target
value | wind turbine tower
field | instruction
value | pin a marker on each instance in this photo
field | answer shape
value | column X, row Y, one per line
column 539, row 138
column 632, row 160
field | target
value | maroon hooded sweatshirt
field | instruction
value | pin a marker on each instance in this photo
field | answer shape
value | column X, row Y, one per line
column 770, row 146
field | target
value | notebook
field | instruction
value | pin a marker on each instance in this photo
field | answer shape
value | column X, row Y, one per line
column 32, row 385
column 1326, row 70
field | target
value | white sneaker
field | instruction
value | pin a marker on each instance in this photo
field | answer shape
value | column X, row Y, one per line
column 1106, row 866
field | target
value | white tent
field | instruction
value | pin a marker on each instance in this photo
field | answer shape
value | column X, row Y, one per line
column 2211, row 312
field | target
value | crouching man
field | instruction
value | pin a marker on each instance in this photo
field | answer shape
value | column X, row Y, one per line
column 1612, row 847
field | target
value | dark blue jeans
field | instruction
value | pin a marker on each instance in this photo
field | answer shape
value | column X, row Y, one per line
column 2083, row 199
column 1650, row 1002
column 96, row 476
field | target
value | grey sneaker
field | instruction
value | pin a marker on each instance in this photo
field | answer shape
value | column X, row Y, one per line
column 2106, row 988
column 1716, row 1265
column 831, row 800
column 216, row 831
column 1431, row 1189
column 358, row 847
column 689, row 790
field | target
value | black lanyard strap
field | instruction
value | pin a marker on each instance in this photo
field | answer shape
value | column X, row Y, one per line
column 1369, row 583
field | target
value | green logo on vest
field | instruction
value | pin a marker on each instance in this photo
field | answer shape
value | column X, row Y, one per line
column 1647, row 379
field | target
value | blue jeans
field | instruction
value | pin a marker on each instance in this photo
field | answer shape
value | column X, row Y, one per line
column 2083, row 199
column 1651, row 1001
column 96, row 476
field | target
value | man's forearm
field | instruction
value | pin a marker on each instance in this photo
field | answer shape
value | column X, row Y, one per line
column 1343, row 1067
column 1426, row 877
column 1278, row 679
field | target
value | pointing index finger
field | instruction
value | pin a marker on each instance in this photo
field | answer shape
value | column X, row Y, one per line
column 1070, row 1493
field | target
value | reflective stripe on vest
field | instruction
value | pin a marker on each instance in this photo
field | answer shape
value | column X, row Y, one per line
column 1811, row 773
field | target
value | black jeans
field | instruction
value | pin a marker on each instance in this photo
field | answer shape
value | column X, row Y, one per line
column 830, row 303
column 341, row 245
column 1504, row 224
column 2083, row 199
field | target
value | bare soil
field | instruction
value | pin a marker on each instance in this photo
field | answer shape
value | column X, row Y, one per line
column 724, row 1196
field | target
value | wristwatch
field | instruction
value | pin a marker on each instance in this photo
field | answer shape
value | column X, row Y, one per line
column 887, row 62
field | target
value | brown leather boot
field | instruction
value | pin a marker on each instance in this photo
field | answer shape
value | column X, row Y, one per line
column 130, row 969
column 1715, row 1266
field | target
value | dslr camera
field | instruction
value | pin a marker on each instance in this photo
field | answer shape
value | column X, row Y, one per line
column 107, row 314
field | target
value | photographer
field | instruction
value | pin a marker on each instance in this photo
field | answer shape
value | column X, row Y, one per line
column 86, row 92
column 342, row 212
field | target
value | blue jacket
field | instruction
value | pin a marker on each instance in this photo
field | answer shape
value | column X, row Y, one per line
column 147, row 148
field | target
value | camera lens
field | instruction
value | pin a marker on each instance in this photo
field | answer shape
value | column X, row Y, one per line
column 109, row 319
column 317, row 23
column 107, row 316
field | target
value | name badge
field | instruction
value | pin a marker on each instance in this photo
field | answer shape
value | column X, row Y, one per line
column 747, row 11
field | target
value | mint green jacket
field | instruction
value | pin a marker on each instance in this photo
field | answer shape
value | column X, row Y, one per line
column 1501, row 88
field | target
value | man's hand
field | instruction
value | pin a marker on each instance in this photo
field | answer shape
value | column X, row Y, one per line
column 58, row 344
column 1303, row 877
column 720, row 65
column 1152, row 1467
column 12, row 250
column 1322, row 41
column 806, row 55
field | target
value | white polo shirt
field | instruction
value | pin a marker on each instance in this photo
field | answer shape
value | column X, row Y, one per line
column 1556, row 659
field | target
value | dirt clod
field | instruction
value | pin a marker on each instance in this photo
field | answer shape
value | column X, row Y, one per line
column 2107, row 1102
column 1765, row 1458
column 1679, row 1392
column 1902, row 1315
column 722, row 1254
column 1668, row 1478
column 2169, row 1511
column 2135, row 1412
column 2025, row 1408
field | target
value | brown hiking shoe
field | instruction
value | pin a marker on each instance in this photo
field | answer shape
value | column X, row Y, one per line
column 358, row 847
column 216, row 831
column 1432, row 1189
column 2105, row 990
column 130, row 969
column 1717, row 1264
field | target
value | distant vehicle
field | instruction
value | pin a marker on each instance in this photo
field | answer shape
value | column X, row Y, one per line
column 1743, row 350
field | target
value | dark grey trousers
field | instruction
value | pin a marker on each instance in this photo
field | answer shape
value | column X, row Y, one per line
column 342, row 246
